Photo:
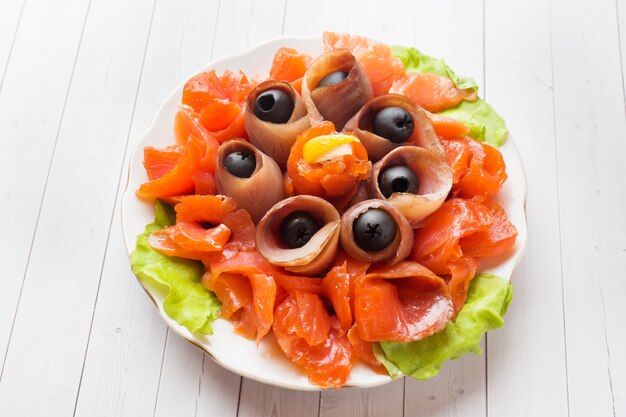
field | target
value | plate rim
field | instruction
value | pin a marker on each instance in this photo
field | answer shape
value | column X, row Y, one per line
column 181, row 330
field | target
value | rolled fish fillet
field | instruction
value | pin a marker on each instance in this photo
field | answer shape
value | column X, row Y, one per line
column 256, row 194
column 433, row 173
column 276, row 139
column 318, row 253
column 377, row 146
column 398, row 249
column 337, row 102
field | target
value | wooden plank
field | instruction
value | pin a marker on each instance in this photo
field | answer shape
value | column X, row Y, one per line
column 10, row 15
column 313, row 17
column 28, row 129
column 621, row 26
column 590, row 132
column 527, row 369
column 257, row 399
column 392, row 22
column 219, row 391
column 263, row 20
column 48, row 343
column 386, row 400
column 460, row 388
column 144, row 363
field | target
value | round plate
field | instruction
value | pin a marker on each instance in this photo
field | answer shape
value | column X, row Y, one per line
column 267, row 363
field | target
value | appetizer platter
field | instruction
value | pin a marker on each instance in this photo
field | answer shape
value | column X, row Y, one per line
column 327, row 212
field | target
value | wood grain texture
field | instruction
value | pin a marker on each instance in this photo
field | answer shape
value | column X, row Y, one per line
column 590, row 132
column 47, row 348
column 527, row 368
column 144, row 365
column 29, row 129
column 10, row 15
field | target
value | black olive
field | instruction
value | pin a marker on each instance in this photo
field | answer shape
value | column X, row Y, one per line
column 394, row 124
column 374, row 230
column 273, row 106
column 207, row 225
column 333, row 78
column 297, row 229
column 398, row 179
column 240, row 163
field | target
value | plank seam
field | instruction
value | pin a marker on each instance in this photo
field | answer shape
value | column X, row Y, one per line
column 619, row 44
column 608, row 352
column 6, row 66
column 156, row 397
column 239, row 396
column 195, row 413
column 43, row 195
column 558, row 204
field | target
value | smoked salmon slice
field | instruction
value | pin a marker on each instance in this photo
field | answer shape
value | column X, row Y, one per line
column 494, row 241
column 478, row 169
column 447, row 127
column 179, row 179
column 364, row 351
column 440, row 243
column 433, row 92
column 208, row 228
column 245, row 287
column 289, row 65
column 159, row 162
column 219, row 102
column 404, row 302
column 311, row 339
column 338, row 287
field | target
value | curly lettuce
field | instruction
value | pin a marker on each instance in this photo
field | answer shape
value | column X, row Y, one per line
column 484, row 123
column 415, row 61
column 487, row 301
column 187, row 301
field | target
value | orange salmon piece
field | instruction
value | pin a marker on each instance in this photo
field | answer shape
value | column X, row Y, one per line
column 247, row 290
column 159, row 162
column 311, row 339
column 178, row 180
column 431, row 91
column 364, row 351
column 404, row 302
column 289, row 65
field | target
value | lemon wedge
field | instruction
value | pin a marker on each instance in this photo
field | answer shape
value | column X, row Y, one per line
column 317, row 149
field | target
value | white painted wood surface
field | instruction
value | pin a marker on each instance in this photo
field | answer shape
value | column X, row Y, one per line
column 81, row 79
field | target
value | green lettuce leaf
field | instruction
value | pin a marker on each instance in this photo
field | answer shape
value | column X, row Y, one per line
column 487, row 301
column 484, row 123
column 415, row 61
column 187, row 300
column 392, row 369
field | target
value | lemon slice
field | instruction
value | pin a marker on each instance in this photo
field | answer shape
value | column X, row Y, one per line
column 315, row 149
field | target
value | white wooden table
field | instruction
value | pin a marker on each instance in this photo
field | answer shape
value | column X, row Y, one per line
column 82, row 79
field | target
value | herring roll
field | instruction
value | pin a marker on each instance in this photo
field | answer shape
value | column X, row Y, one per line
column 390, row 121
column 301, row 234
column 415, row 180
column 275, row 115
column 335, row 87
column 249, row 177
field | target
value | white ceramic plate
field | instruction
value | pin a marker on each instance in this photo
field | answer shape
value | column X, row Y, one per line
column 267, row 363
